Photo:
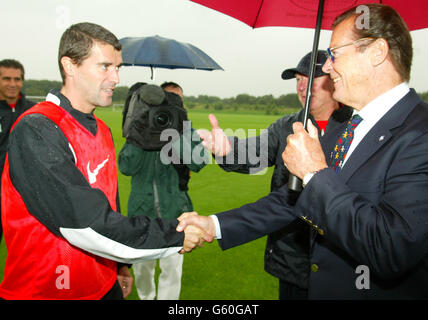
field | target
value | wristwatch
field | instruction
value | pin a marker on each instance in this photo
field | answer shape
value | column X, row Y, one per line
column 308, row 177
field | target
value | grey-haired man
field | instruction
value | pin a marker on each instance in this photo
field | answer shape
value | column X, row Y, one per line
column 287, row 250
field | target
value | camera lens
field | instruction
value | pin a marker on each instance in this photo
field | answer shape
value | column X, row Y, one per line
column 162, row 119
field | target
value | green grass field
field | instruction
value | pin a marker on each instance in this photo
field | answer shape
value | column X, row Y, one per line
column 210, row 273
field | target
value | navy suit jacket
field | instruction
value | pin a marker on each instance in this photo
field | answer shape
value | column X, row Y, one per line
column 374, row 213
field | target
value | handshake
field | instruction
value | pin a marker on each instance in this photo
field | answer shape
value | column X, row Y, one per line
column 197, row 230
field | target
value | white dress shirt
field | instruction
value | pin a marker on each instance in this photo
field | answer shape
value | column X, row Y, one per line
column 371, row 114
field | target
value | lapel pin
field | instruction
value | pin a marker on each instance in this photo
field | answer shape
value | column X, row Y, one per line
column 381, row 138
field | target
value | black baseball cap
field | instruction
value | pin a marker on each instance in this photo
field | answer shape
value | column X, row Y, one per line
column 304, row 64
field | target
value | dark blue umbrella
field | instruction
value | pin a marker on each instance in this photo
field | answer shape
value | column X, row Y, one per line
column 159, row 52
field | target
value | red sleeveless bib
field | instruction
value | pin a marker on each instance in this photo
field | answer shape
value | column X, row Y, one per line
column 41, row 265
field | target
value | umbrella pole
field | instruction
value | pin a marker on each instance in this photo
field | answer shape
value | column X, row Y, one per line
column 294, row 183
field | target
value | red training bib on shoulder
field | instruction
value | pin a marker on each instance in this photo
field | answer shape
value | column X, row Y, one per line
column 39, row 264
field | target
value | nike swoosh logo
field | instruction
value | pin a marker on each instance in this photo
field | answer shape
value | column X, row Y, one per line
column 92, row 175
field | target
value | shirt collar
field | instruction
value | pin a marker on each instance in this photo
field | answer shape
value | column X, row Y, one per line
column 378, row 107
column 85, row 119
column 56, row 97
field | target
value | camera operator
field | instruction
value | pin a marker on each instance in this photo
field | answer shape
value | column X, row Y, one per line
column 158, row 190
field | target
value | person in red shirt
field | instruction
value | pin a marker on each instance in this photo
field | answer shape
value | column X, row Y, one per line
column 12, row 103
column 322, row 103
column 61, row 215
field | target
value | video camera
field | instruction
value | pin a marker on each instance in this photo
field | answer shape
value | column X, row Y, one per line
column 148, row 111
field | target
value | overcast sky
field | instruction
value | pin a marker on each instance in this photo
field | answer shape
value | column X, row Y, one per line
column 253, row 59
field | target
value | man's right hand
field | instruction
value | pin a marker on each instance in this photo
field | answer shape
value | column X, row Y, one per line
column 198, row 229
column 215, row 140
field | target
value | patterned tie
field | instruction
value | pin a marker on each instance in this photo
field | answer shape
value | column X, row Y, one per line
column 337, row 156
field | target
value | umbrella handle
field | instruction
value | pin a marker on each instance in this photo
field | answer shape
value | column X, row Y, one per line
column 294, row 183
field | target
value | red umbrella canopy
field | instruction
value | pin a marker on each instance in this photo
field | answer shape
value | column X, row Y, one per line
column 303, row 13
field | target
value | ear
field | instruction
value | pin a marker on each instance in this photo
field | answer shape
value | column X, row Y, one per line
column 68, row 66
column 379, row 51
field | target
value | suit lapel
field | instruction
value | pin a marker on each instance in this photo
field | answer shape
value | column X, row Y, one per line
column 379, row 134
column 375, row 139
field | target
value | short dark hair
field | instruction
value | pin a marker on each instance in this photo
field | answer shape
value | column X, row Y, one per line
column 14, row 64
column 171, row 84
column 77, row 41
column 387, row 24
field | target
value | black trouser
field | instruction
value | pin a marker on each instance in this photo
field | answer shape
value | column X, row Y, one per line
column 115, row 293
column 288, row 291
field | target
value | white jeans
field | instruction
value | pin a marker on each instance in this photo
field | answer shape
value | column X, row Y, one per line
column 169, row 285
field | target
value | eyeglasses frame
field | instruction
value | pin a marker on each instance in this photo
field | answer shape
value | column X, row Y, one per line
column 329, row 54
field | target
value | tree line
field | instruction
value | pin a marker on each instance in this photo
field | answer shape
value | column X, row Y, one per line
column 266, row 104
column 41, row 88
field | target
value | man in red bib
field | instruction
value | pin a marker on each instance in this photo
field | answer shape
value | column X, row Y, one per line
column 62, row 226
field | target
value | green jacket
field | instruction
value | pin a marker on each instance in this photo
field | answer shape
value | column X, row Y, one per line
column 155, row 188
